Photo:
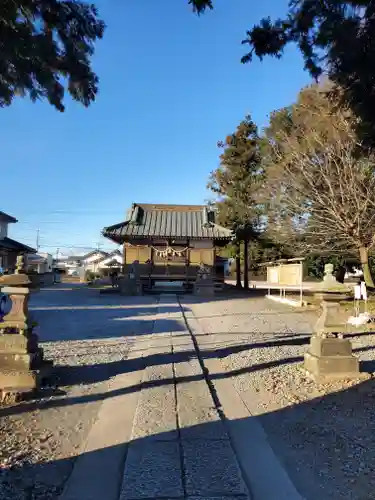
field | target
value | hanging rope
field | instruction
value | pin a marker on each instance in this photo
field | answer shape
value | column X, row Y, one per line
column 169, row 252
column 165, row 252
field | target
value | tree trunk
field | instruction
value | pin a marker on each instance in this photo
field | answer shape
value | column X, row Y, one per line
column 238, row 266
column 246, row 265
column 363, row 253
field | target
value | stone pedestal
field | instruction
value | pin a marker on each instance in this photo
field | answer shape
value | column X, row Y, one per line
column 131, row 284
column 21, row 360
column 331, row 319
column 204, row 284
column 331, row 358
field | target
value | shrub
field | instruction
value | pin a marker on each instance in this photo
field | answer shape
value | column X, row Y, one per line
column 89, row 275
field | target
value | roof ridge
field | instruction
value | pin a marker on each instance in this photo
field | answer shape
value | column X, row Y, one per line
column 170, row 206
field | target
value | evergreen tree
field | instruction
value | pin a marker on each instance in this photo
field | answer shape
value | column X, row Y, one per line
column 45, row 49
column 335, row 38
column 236, row 183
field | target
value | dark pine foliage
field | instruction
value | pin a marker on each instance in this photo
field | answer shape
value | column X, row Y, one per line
column 335, row 37
column 45, row 49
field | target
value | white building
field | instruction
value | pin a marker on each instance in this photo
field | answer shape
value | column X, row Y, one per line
column 41, row 262
column 111, row 259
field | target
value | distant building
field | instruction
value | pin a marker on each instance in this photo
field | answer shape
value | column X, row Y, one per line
column 41, row 262
column 112, row 260
column 74, row 263
column 9, row 248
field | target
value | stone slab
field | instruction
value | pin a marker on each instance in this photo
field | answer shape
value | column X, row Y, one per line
column 19, row 344
column 331, row 365
column 98, row 470
column 262, row 471
column 11, row 361
column 197, row 415
column 15, row 290
column 211, row 469
column 25, row 380
column 155, row 418
column 330, row 346
column 152, row 470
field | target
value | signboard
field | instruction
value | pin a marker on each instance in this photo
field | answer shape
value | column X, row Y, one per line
column 285, row 274
column 273, row 275
column 290, row 274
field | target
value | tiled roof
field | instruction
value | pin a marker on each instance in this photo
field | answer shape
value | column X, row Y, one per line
column 101, row 255
column 15, row 246
column 6, row 218
column 168, row 221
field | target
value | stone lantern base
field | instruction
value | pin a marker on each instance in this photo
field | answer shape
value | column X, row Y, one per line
column 332, row 358
column 22, row 366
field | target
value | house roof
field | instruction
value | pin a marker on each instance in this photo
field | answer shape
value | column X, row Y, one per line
column 15, row 246
column 168, row 221
column 74, row 258
column 6, row 218
column 100, row 255
column 111, row 255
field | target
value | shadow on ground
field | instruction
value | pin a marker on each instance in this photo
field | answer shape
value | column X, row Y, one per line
column 94, row 373
column 325, row 444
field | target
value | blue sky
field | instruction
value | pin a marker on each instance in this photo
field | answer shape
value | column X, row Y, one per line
column 171, row 86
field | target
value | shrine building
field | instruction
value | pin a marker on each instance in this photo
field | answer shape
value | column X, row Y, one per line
column 170, row 242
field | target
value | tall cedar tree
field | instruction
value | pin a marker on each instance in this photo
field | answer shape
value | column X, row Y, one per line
column 45, row 48
column 320, row 181
column 236, row 183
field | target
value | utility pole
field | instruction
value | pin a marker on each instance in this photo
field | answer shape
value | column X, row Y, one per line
column 98, row 245
column 37, row 239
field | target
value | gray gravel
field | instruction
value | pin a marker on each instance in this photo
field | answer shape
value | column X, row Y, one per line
column 324, row 434
column 88, row 337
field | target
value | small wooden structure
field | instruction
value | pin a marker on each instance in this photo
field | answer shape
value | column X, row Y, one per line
column 170, row 242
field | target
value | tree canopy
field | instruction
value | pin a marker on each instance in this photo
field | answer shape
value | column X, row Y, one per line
column 238, row 178
column 236, row 183
column 335, row 37
column 45, row 49
column 320, row 181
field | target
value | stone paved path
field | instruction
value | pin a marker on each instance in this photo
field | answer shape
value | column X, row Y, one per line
column 160, row 434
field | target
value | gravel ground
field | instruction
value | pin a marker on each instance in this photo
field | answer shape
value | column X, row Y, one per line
column 88, row 337
column 324, row 434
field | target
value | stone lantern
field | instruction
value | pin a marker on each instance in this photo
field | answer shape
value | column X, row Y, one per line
column 21, row 360
column 330, row 355
column 204, row 283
